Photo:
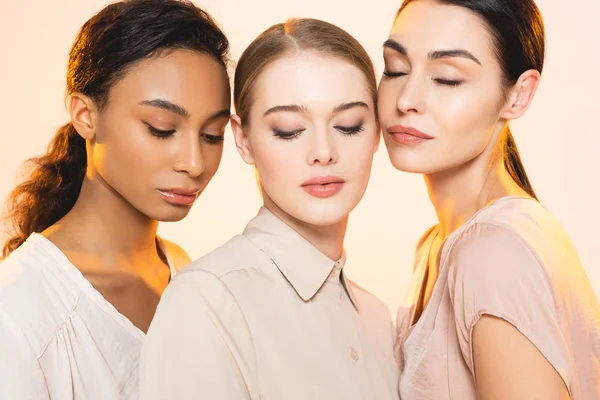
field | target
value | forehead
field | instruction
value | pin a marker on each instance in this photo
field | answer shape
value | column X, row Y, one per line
column 426, row 25
column 311, row 79
column 183, row 76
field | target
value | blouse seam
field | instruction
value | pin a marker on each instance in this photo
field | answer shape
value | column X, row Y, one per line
column 243, row 267
column 237, row 267
column 66, row 320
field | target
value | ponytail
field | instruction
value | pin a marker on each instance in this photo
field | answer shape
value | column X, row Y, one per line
column 512, row 162
column 51, row 189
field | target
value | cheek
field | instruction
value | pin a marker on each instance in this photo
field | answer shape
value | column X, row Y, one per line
column 467, row 118
column 127, row 155
column 467, row 123
column 474, row 104
column 358, row 154
column 386, row 101
column 276, row 163
column 212, row 154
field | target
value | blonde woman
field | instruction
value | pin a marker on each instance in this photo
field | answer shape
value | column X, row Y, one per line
column 271, row 315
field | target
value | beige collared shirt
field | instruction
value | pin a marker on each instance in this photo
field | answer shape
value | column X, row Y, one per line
column 267, row 316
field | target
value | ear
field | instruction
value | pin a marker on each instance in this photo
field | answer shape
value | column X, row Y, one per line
column 241, row 140
column 83, row 114
column 521, row 95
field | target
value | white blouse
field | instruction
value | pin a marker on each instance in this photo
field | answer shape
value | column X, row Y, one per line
column 59, row 338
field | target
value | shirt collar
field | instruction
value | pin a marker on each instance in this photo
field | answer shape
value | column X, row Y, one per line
column 302, row 264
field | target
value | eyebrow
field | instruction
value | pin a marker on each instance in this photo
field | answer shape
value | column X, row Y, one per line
column 224, row 113
column 347, row 106
column 285, row 108
column 436, row 55
column 167, row 105
column 432, row 55
column 397, row 47
column 297, row 108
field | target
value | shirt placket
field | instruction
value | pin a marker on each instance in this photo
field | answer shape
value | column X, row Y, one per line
column 347, row 326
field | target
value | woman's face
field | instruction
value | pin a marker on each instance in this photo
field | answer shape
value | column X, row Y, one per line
column 158, row 141
column 441, row 96
column 312, row 134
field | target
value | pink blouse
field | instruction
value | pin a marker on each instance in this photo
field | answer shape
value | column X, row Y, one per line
column 511, row 260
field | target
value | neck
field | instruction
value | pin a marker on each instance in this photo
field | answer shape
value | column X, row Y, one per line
column 458, row 193
column 105, row 228
column 328, row 239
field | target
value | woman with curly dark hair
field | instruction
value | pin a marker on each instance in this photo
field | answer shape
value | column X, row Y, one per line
column 148, row 99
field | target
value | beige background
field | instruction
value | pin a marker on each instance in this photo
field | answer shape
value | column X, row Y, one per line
column 558, row 138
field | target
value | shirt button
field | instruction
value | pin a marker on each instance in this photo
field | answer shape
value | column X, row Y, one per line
column 354, row 354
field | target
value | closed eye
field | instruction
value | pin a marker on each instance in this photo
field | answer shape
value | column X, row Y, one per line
column 350, row 130
column 212, row 139
column 391, row 74
column 159, row 133
column 448, row 82
column 287, row 135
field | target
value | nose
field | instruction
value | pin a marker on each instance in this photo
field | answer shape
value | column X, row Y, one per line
column 190, row 159
column 411, row 98
column 322, row 151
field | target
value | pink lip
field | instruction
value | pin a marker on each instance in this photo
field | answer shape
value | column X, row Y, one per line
column 407, row 135
column 180, row 196
column 323, row 186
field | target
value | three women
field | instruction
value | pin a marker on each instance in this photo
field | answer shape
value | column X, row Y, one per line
column 502, row 306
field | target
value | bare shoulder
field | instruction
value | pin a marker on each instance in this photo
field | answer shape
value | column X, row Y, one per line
column 176, row 254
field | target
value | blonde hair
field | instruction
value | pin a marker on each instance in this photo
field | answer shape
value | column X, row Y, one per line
column 293, row 35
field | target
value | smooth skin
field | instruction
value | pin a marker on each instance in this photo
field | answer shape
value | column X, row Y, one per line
column 443, row 78
column 161, row 128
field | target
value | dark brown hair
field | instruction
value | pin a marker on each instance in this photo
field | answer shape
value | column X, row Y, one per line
column 105, row 48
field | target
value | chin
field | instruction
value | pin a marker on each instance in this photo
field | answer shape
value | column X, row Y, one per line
column 323, row 214
column 410, row 165
column 169, row 213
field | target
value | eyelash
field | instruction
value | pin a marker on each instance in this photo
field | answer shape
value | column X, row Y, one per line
column 345, row 130
column 160, row 134
column 448, row 82
column 350, row 130
column 445, row 82
column 394, row 74
column 287, row 135
column 213, row 139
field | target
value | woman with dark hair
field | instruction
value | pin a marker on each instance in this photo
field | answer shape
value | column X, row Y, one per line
column 149, row 99
column 501, row 306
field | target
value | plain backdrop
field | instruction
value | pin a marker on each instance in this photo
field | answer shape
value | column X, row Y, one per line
column 558, row 138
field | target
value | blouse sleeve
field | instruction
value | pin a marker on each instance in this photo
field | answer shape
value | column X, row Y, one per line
column 198, row 345
column 21, row 376
column 493, row 271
